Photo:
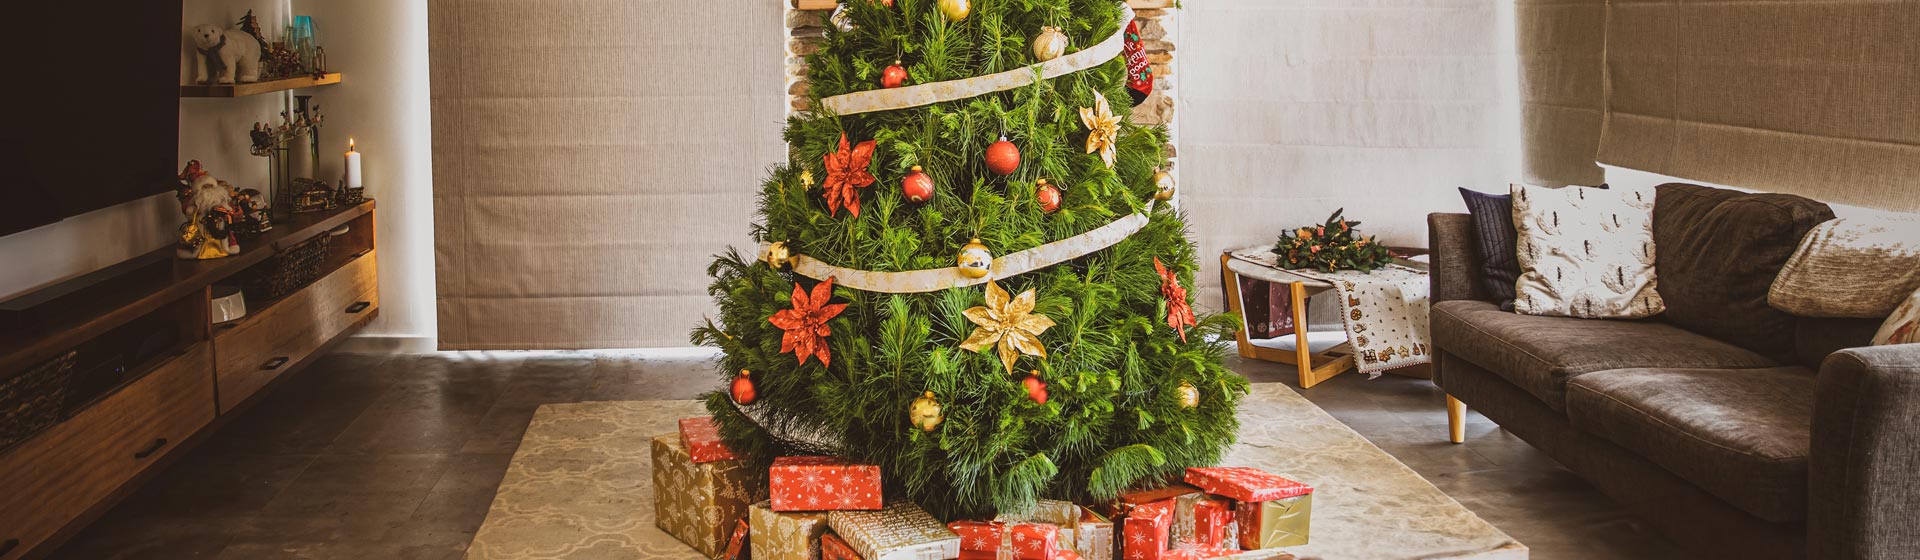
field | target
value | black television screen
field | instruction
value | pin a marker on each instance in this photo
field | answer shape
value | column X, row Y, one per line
column 92, row 109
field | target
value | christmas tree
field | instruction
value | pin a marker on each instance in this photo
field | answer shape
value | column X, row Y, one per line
column 875, row 322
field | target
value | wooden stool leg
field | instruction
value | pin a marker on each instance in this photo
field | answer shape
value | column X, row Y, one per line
column 1302, row 355
column 1456, row 420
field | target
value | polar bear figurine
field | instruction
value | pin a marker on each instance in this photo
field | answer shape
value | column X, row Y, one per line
column 226, row 55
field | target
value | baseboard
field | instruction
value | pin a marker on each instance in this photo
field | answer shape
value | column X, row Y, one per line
column 387, row 344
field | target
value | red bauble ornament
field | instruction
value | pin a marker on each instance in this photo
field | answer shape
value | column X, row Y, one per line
column 1003, row 158
column 889, row 3
column 893, row 76
column 743, row 391
column 1048, row 196
column 917, row 186
column 1036, row 389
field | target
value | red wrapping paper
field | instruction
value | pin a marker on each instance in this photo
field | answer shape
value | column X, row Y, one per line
column 988, row 555
column 701, row 437
column 1246, row 484
column 823, row 484
column 832, row 547
column 1028, row 541
column 1146, row 529
column 1213, row 523
column 737, row 544
column 1197, row 553
column 1135, row 498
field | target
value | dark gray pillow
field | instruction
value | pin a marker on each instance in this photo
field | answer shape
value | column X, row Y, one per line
column 1493, row 228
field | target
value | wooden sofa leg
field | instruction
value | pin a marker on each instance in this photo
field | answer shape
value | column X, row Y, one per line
column 1456, row 420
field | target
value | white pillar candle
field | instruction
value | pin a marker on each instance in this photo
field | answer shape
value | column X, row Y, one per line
column 353, row 166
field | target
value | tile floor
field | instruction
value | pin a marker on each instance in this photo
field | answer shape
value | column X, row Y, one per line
column 397, row 457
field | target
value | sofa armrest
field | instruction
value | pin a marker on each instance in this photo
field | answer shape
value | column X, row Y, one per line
column 1454, row 269
column 1864, row 490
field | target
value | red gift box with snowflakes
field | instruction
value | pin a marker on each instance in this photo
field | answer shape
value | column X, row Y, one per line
column 823, row 484
column 1246, row 484
column 701, row 437
column 1026, row 541
column 1145, row 530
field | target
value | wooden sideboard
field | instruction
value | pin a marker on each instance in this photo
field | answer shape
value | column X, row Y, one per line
column 153, row 375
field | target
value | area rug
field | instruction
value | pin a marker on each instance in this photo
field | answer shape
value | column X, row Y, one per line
column 580, row 487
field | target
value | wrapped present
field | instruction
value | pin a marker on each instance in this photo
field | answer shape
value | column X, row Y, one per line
column 832, row 547
column 823, row 484
column 701, row 437
column 1185, row 521
column 1196, row 552
column 737, row 543
column 1146, row 529
column 785, row 535
column 1274, row 523
column 901, row 531
column 1245, row 484
column 1082, row 530
column 1022, row 540
column 984, row 555
column 1213, row 525
column 698, row 503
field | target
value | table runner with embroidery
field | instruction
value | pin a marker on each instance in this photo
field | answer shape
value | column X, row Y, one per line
column 1384, row 311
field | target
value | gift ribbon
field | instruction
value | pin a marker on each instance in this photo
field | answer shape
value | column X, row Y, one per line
column 928, row 94
column 936, row 279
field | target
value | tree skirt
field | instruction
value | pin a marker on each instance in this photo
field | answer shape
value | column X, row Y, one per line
column 580, row 487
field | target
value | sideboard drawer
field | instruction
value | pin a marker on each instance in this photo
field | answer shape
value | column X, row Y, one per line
column 263, row 346
column 54, row 477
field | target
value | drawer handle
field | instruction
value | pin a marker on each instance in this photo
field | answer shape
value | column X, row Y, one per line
column 359, row 306
column 274, row 363
column 151, row 449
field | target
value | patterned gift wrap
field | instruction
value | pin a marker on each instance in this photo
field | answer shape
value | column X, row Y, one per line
column 984, row 555
column 1134, row 498
column 1195, row 552
column 698, row 503
column 1185, row 528
column 1087, row 533
column 1025, row 541
column 785, row 535
column 1146, row 529
column 1214, row 525
column 701, row 437
column 1245, row 484
column 832, row 547
column 901, row 531
column 1274, row 523
column 737, row 544
column 824, row 484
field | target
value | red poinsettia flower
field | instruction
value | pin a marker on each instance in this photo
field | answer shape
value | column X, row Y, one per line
column 1179, row 313
column 806, row 324
column 847, row 170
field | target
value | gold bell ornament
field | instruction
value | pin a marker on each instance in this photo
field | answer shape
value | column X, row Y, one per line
column 1163, row 186
column 975, row 261
column 1049, row 44
column 1189, row 396
column 955, row 10
column 925, row 413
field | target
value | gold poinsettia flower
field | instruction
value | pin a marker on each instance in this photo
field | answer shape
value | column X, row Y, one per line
column 1103, row 128
column 1007, row 324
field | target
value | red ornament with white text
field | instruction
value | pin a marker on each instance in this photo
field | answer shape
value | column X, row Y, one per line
column 1048, row 196
column 1139, row 71
column 917, row 186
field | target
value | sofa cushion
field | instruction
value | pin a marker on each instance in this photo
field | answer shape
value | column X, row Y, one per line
column 1742, row 434
column 1494, row 234
column 1539, row 354
column 1718, row 251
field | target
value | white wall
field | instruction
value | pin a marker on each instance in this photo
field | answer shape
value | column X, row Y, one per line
column 380, row 45
column 1293, row 108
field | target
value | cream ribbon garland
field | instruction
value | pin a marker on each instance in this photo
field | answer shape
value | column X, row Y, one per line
column 936, row 279
column 927, row 94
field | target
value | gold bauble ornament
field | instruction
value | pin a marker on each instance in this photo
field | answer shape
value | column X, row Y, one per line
column 1189, row 396
column 777, row 255
column 975, row 261
column 955, row 10
column 1049, row 44
column 925, row 413
column 1163, row 186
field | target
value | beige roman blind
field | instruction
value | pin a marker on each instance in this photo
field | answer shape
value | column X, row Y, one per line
column 1812, row 97
column 589, row 157
column 1559, row 45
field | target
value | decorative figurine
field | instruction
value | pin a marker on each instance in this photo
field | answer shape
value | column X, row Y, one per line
column 226, row 55
column 256, row 212
column 315, row 196
column 208, row 206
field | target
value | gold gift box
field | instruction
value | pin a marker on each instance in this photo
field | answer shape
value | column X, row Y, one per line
column 785, row 535
column 698, row 503
column 1274, row 524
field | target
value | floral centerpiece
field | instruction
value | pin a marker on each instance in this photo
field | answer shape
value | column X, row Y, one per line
column 1331, row 246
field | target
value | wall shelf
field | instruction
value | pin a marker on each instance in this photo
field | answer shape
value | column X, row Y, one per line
column 256, row 88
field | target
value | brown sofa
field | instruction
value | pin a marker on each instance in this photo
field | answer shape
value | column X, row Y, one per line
column 1737, row 430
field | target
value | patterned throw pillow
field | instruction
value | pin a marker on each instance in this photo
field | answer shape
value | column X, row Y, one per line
column 1585, row 252
column 1903, row 327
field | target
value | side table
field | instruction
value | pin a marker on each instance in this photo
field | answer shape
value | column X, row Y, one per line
column 1314, row 367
